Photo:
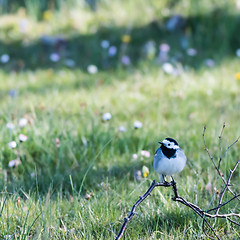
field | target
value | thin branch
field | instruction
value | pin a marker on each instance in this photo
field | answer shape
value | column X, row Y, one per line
column 217, row 169
column 200, row 212
column 181, row 200
column 231, row 145
column 222, row 215
column 227, row 185
column 232, row 221
column 207, row 150
column 141, row 198
column 221, row 133
column 223, row 155
column 203, row 229
column 221, row 205
column 195, row 208
column 220, row 144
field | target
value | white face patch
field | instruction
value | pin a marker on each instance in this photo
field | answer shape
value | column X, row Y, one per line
column 170, row 145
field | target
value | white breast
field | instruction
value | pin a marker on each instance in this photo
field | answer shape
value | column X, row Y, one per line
column 166, row 166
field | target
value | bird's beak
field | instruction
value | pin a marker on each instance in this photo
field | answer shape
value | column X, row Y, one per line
column 160, row 143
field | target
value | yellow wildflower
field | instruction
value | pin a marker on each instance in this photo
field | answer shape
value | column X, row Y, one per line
column 237, row 76
column 126, row 38
column 145, row 171
column 47, row 15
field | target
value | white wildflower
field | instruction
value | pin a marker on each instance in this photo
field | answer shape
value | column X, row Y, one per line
column 164, row 48
column 105, row 44
column 134, row 156
column 106, row 116
column 126, row 60
column 138, row 175
column 209, row 62
column 92, row 69
column 10, row 126
column 54, row 57
column 4, row 58
column 122, row 129
column 112, row 51
column 137, row 124
column 145, row 153
column 22, row 138
column 191, row 52
column 11, row 163
column 12, row 144
column 168, row 68
column 22, row 122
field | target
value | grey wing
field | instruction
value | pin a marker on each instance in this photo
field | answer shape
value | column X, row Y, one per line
column 158, row 155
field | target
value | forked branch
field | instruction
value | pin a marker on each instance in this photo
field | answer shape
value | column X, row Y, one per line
column 226, row 182
column 141, row 198
column 205, row 215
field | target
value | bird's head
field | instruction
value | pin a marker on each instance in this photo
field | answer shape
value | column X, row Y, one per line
column 169, row 143
column 169, row 147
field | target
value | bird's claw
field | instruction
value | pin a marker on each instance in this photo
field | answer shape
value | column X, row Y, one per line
column 167, row 183
column 173, row 182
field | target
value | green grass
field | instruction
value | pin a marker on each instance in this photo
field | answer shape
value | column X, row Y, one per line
column 45, row 196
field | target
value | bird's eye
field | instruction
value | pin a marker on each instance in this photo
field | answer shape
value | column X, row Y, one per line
column 169, row 144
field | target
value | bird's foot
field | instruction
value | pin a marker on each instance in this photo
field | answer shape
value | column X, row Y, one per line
column 167, row 183
column 173, row 182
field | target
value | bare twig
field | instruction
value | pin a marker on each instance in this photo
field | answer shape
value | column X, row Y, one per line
column 203, row 229
column 231, row 146
column 220, row 144
column 226, row 186
column 223, row 204
column 194, row 207
column 230, row 220
column 175, row 198
column 221, row 133
column 226, row 182
column 207, row 150
column 214, row 164
column 205, row 215
column 141, row 198
column 223, row 155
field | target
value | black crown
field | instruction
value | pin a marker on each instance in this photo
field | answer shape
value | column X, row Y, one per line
column 172, row 140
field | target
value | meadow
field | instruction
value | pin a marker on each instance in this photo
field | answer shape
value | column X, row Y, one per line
column 86, row 92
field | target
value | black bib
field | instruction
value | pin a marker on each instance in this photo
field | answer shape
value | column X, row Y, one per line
column 169, row 153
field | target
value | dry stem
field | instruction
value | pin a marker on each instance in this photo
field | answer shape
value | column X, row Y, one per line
column 200, row 212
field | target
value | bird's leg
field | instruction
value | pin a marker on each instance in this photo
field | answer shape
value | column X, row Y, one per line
column 163, row 179
column 173, row 182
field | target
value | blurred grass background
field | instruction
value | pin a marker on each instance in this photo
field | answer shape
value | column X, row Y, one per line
column 172, row 65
